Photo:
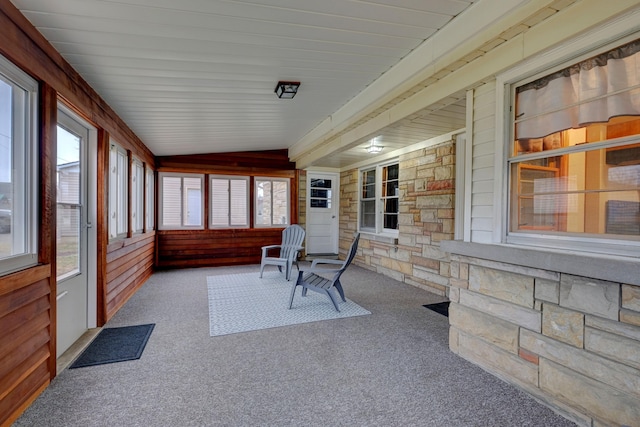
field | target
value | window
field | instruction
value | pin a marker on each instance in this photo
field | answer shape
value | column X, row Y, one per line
column 137, row 196
column 118, row 183
column 320, row 193
column 390, row 197
column 150, row 199
column 368, row 201
column 181, row 198
column 229, row 202
column 574, row 161
column 18, row 171
column 379, row 201
column 272, row 202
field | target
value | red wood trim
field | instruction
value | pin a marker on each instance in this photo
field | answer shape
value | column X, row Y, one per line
column 47, row 150
column 48, row 226
column 252, row 202
column 102, row 224
column 207, row 201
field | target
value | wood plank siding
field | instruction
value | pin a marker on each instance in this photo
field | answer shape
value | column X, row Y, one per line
column 129, row 265
column 27, row 351
column 217, row 247
column 186, row 248
column 28, row 297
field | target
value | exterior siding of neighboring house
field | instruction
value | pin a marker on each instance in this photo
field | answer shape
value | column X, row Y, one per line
column 67, row 188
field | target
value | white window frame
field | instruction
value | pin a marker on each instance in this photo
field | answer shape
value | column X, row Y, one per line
column 149, row 189
column 118, row 191
column 24, row 166
column 579, row 49
column 379, row 200
column 182, row 226
column 137, row 196
column 229, row 200
column 257, row 212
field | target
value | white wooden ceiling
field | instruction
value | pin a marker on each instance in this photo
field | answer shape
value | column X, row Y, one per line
column 198, row 76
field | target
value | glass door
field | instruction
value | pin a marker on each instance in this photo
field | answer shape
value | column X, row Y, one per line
column 71, row 232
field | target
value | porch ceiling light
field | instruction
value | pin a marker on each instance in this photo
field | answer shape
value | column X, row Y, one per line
column 373, row 147
column 287, row 90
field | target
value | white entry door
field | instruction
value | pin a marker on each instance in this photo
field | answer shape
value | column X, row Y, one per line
column 322, row 213
column 76, row 285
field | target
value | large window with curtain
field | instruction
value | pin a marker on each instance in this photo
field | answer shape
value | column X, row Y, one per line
column 574, row 159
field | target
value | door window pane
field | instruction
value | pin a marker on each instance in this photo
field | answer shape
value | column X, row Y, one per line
column 69, row 206
column 320, row 193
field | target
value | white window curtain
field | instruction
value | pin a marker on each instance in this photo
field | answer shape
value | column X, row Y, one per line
column 592, row 91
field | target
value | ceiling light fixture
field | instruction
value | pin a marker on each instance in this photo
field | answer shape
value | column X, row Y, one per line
column 374, row 148
column 287, row 90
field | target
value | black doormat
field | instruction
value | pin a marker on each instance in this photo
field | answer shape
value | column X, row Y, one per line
column 440, row 307
column 115, row 345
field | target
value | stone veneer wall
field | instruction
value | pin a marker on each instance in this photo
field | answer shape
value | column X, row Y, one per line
column 571, row 341
column 426, row 182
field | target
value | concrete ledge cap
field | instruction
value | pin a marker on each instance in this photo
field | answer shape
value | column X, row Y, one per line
column 604, row 267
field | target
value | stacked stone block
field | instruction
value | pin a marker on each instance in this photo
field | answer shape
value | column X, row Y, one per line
column 426, row 217
column 573, row 342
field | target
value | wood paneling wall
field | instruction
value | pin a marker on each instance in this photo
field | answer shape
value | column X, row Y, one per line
column 28, row 298
column 200, row 248
column 26, row 347
column 211, row 248
column 129, row 265
column 269, row 162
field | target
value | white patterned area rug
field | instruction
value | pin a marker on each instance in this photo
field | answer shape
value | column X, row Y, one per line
column 245, row 302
